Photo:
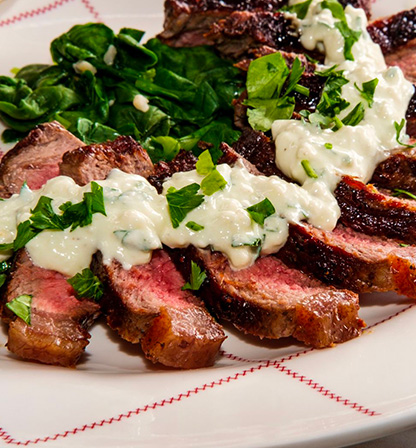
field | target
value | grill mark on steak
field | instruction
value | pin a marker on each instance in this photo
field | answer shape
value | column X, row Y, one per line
column 146, row 305
column 35, row 159
column 94, row 162
column 59, row 321
column 270, row 300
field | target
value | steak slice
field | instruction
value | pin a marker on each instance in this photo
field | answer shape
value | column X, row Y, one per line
column 398, row 171
column 147, row 305
column 94, row 162
column 271, row 300
column 367, row 210
column 35, row 159
column 59, row 321
column 348, row 259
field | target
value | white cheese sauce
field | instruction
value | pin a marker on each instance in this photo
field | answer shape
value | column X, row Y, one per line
column 138, row 219
column 355, row 150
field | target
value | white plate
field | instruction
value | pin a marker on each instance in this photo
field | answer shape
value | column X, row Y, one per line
column 270, row 394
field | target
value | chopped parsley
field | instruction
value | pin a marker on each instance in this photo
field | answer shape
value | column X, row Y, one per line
column 260, row 211
column 270, row 88
column 308, row 169
column 399, row 127
column 398, row 192
column 181, row 202
column 87, row 285
column 300, row 9
column 329, row 145
column 194, row 226
column 4, row 267
column 213, row 180
column 22, row 307
column 196, row 279
column 355, row 116
column 350, row 36
column 368, row 90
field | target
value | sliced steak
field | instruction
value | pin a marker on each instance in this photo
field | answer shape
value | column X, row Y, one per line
column 35, row 159
column 270, row 300
column 146, row 305
column 398, row 171
column 243, row 31
column 94, row 162
column 59, row 321
column 352, row 260
column 367, row 210
column 187, row 22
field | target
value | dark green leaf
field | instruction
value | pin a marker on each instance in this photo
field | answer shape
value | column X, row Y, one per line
column 260, row 211
column 196, row 279
column 181, row 202
column 22, row 307
column 368, row 90
column 43, row 216
column 355, row 116
column 350, row 38
column 87, row 285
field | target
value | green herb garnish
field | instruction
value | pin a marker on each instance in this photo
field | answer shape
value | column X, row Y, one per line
column 181, row 202
column 398, row 192
column 355, row 116
column 368, row 90
column 196, row 279
column 194, row 226
column 329, row 145
column 213, row 180
column 308, row 169
column 300, row 9
column 399, row 128
column 270, row 88
column 87, row 285
column 260, row 211
column 22, row 307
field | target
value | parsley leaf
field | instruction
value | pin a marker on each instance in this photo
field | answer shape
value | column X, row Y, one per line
column 308, row 169
column 399, row 128
column 350, row 37
column 254, row 242
column 355, row 116
column 213, row 183
column 181, row 202
column 4, row 267
column 194, row 226
column 87, row 285
column 204, row 165
column 336, row 9
column 270, row 88
column 368, row 90
column 260, row 211
column 22, row 307
column 300, row 9
column 43, row 216
column 196, row 279
column 331, row 102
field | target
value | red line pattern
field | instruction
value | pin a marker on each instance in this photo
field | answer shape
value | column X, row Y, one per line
column 44, row 10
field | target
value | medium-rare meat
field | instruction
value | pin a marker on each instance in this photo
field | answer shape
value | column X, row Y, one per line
column 35, row 159
column 147, row 305
column 270, row 300
column 352, row 260
column 59, row 321
column 94, row 162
